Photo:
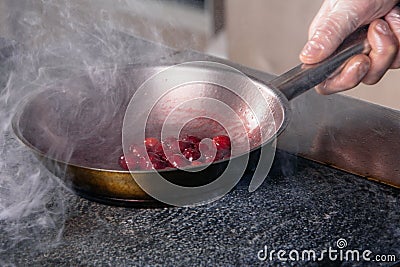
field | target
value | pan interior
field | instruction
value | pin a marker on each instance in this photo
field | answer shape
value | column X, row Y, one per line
column 79, row 121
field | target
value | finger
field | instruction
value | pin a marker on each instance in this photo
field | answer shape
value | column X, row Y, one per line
column 348, row 77
column 384, row 48
column 393, row 19
column 334, row 22
column 323, row 43
column 318, row 19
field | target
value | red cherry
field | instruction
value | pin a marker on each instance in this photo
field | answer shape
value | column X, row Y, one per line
column 218, row 156
column 158, row 149
column 171, row 145
column 122, row 162
column 222, row 154
column 207, row 150
column 144, row 164
column 153, row 156
column 170, row 165
column 208, row 159
column 137, row 150
column 183, row 145
column 178, row 161
column 191, row 154
column 158, row 161
column 130, row 161
column 222, row 142
column 203, row 147
column 159, row 164
column 151, row 143
column 193, row 140
column 175, row 146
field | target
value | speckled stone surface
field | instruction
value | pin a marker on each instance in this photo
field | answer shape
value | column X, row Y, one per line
column 301, row 205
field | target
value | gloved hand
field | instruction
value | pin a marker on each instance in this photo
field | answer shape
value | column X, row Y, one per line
column 335, row 21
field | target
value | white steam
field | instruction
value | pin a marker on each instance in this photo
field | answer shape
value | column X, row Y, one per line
column 58, row 40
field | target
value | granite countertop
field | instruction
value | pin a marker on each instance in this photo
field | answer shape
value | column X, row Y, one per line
column 302, row 205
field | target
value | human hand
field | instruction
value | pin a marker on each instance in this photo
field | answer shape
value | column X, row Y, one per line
column 339, row 18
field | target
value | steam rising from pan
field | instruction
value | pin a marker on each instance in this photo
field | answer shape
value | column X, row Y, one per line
column 60, row 40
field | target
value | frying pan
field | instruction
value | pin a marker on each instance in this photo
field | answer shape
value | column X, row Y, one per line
column 77, row 133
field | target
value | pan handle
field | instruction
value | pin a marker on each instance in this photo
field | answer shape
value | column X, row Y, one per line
column 305, row 76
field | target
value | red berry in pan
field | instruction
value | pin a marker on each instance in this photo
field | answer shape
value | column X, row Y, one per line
column 144, row 164
column 178, row 161
column 203, row 147
column 151, row 144
column 191, row 154
column 171, row 145
column 153, row 156
column 184, row 144
column 222, row 142
column 219, row 156
column 192, row 140
column 130, row 161
column 175, row 146
column 158, row 149
column 207, row 150
column 137, row 150
column 157, row 161
column 222, row 154
column 159, row 164
column 122, row 162
column 194, row 152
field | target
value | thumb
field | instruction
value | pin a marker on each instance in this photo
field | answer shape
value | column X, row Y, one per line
column 333, row 23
